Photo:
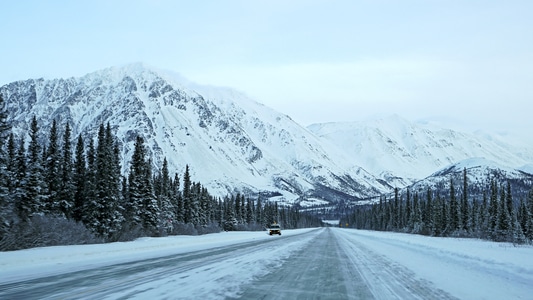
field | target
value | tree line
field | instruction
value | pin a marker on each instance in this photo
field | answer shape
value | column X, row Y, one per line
column 497, row 216
column 53, row 192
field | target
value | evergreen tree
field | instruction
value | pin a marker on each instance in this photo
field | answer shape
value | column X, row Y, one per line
column 409, row 211
column 5, row 126
column 504, row 219
column 250, row 214
column 455, row 210
column 20, row 177
column 6, row 172
column 243, row 210
column 494, row 208
column 142, row 208
column 465, row 208
column 91, row 206
column 32, row 200
column 150, row 213
column 115, row 209
column 475, row 217
column 79, row 179
column 525, row 218
column 395, row 212
column 485, row 220
column 509, row 200
column 164, row 198
column 52, row 161
column 135, row 196
column 427, row 219
column 105, row 195
column 11, row 164
column 445, row 217
column 437, row 215
column 230, row 222
column 529, row 221
column 177, row 199
column 238, row 211
column 259, row 212
column 66, row 185
column 416, row 215
column 195, row 213
column 187, row 201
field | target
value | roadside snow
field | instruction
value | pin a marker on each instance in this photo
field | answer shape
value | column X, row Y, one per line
column 39, row 262
column 465, row 268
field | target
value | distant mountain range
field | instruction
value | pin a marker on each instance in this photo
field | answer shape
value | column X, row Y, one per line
column 234, row 144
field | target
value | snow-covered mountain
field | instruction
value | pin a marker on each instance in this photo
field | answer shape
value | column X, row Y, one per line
column 402, row 152
column 230, row 142
column 234, row 144
column 479, row 173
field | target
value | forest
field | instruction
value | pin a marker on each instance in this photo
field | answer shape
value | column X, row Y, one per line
column 56, row 192
column 497, row 216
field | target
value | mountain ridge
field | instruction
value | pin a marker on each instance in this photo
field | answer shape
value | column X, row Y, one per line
column 231, row 148
column 235, row 144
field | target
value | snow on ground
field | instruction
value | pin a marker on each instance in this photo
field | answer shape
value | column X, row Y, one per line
column 224, row 264
column 39, row 262
column 465, row 268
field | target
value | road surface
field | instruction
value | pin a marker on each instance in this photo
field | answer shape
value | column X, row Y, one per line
column 326, row 263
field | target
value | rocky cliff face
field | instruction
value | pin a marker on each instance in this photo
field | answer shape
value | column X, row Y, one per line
column 230, row 142
column 234, row 144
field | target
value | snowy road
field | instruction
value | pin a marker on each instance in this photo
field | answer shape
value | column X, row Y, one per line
column 324, row 263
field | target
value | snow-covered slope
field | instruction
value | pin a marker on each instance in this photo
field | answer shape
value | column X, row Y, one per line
column 234, row 144
column 402, row 152
column 479, row 173
column 230, row 142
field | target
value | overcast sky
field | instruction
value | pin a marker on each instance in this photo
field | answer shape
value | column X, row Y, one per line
column 317, row 61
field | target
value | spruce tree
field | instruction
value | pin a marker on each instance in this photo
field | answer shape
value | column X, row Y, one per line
column 52, row 161
column 32, row 201
column 529, row 221
column 187, row 200
column 5, row 126
column 504, row 226
column 259, row 212
column 164, row 198
column 142, row 207
column 6, row 172
column 445, row 218
column 177, row 200
column 230, row 222
column 250, row 214
column 428, row 219
column 103, row 193
column 238, row 211
column 79, row 179
column 20, row 176
column 465, row 207
column 455, row 210
column 91, row 206
column 151, row 212
column 66, row 185
column 494, row 208
column 135, row 180
column 395, row 213
column 485, row 220
column 416, row 215
column 409, row 211
column 115, row 207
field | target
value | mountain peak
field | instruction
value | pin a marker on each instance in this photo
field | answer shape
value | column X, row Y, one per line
column 231, row 143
